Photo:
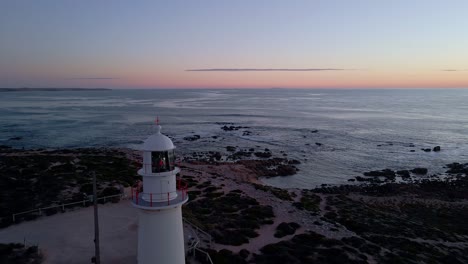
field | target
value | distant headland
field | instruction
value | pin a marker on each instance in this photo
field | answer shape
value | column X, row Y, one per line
column 27, row 89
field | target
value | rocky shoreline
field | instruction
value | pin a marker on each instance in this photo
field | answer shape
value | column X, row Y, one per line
column 391, row 217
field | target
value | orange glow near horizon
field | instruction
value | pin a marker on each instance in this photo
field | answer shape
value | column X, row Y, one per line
column 342, row 79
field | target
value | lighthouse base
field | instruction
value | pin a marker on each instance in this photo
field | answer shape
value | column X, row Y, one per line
column 160, row 236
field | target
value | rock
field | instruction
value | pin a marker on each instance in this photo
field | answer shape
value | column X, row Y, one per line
column 412, row 150
column 232, row 128
column 351, row 180
column 286, row 170
column 403, row 173
column 240, row 154
column 215, row 137
column 436, row 148
column 192, row 138
column 246, row 133
column 16, row 138
column 421, row 171
column 263, row 154
column 231, row 148
column 217, row 156
column 457, row 168
column 314, row 131
column 318, row 144
column 426, row 150
column 388, row 173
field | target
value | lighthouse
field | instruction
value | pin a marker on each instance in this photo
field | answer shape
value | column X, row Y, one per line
column 159, row 199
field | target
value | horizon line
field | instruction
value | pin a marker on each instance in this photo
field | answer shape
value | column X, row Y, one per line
column 265, row 69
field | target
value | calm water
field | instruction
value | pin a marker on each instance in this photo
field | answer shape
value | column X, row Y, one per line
column 351, row 125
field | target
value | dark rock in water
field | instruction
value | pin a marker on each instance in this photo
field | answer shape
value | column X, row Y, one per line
column 411, row 145
column 251, row 149
column 379, row 145
column 351, row 180
column 16, row 138
column 307, row 144
column 263, row 154
column 412, row 150
column 436, row 148
column 231, row 148
column 267, row 149
column 426, row 150
column 457, row 168
column 284, row 154
column 272, row 167
column 388, row 173
column 215, row 137
column 232, row 128
column 192, row 138
column 240, row 154
column 246, row 133
column 403, row 173
column 286, row 170
column 314, row 131
column 421, row 171
column 360, row 179
column 217, row 156
column 318, row 144
column 293, row 161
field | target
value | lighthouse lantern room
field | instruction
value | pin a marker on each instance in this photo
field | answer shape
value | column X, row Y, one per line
column 159, row 199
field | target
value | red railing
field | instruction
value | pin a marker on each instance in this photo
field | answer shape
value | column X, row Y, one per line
column 138, row 194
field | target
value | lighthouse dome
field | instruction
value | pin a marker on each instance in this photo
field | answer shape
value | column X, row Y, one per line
column 157, row 142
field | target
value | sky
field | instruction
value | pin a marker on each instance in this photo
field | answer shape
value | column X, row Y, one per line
column 234, row 44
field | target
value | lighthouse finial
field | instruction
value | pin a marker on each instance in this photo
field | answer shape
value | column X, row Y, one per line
column 157, row 120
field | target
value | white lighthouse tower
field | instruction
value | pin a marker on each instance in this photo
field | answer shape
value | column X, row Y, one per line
column 159, row 200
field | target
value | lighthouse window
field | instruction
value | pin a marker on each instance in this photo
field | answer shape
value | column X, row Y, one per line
column 162, row 161
column 171, row 159
column 158, row 161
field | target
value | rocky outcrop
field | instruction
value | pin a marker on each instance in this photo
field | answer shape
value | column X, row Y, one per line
column 231, row 148
column 263, row 154
column 192, row 138
column 420, row 171
column 232, row 128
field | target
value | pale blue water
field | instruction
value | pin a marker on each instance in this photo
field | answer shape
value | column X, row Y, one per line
column 351, row 125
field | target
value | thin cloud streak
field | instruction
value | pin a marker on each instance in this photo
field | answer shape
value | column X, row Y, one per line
column 92, row 78
column 452, row 70
column 266, row 69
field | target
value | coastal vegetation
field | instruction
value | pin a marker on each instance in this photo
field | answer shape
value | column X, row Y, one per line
column 32, row 179
column 232, row 218
column 14, row 253
column 392, row 220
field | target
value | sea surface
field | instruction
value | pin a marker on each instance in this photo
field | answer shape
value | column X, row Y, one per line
column 359, row 130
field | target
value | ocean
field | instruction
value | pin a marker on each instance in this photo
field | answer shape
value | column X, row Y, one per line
column 336, row 134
